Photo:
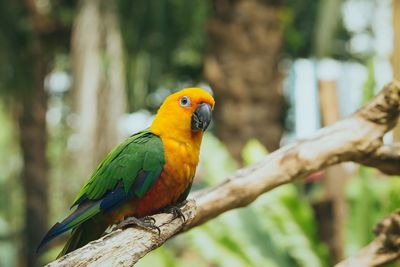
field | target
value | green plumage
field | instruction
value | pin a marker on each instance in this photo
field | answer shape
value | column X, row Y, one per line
column 143, row 151
column 127, row 172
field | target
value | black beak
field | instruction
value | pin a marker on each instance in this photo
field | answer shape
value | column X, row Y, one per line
column 201, row 117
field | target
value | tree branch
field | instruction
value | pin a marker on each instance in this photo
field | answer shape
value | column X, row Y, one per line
column 386, row 158
column 126, row 247
column 357, row 138
column 384, row 249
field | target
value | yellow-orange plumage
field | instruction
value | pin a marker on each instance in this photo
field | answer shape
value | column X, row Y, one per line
column 182, row 147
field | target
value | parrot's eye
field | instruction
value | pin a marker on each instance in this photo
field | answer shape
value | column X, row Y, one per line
column 184, row 101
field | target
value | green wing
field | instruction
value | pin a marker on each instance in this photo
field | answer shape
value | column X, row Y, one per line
column 138, row 161
column 128, row 171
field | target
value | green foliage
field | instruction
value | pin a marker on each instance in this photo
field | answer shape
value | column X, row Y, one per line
column 370, row 198
column 15, row 37
column 253, row 152
column 369, row 86
column 298, row 21
column 10, row 191
column 8, row 251
column 215, row 161
column 165, row 43
column 22, row 45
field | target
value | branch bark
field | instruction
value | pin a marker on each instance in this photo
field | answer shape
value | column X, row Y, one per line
column 386, row 159
column 357, row 138
column 385, row 248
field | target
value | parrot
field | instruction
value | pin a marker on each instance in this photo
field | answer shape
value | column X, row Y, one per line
column 148, row 172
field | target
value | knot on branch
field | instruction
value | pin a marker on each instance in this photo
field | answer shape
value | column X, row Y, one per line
column 388, row 231
column 385, row 108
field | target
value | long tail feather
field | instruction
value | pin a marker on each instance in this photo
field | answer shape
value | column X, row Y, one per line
column 84, row 212
column 72, row 242
column 80, row 215
column 83, row 234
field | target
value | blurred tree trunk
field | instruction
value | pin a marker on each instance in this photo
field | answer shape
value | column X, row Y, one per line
column 99, row 81
column 331, row 210
column 396, row 54
column 33, row 139
column 245, row 40
column 37, row 55
column 30, row 35
column 328, row 19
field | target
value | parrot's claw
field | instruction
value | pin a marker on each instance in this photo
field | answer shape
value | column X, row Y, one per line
column 176, row 212
column 149, row 219
column 147, row 222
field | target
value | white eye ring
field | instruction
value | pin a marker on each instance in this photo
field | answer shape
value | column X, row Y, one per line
column 184, row 101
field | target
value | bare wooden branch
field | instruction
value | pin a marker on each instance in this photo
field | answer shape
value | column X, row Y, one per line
column 384, row 249
column 386, row 159
column 356, row 138
column 126, row 247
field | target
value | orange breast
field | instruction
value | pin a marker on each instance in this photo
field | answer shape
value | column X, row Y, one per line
column 180, row 166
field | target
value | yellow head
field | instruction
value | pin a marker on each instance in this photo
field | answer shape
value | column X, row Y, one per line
column 184, row 115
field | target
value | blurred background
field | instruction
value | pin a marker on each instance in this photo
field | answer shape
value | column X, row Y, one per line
column 77, row 77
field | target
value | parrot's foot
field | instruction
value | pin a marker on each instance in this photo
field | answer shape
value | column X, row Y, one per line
column 176, row 211
column 148, row 223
